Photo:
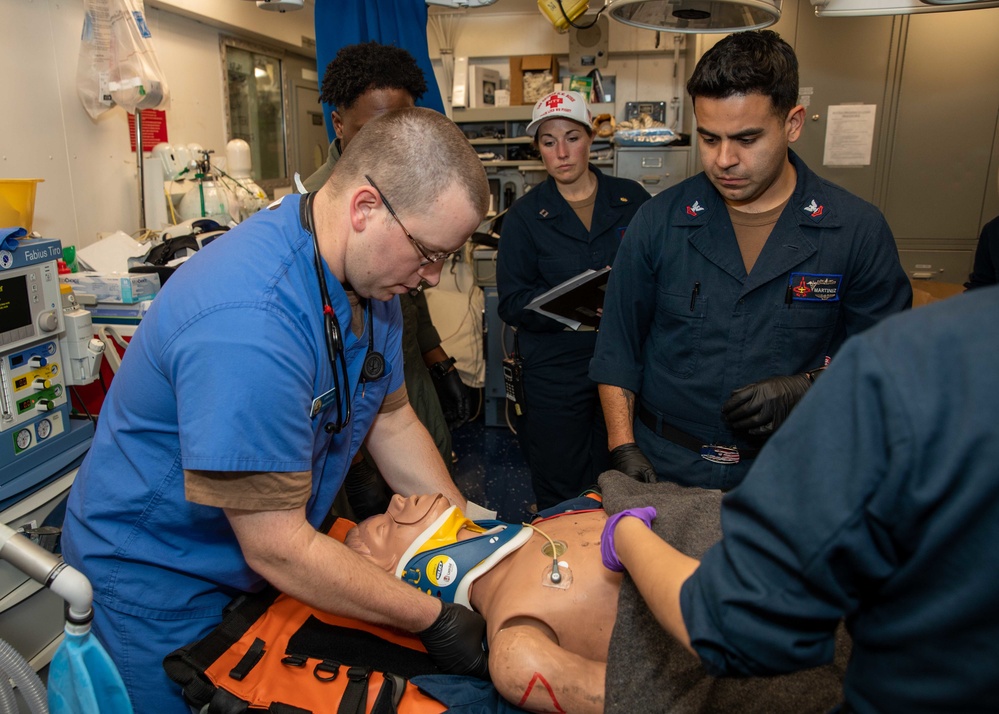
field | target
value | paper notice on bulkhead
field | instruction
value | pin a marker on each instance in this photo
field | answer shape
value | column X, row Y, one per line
column 849, row 135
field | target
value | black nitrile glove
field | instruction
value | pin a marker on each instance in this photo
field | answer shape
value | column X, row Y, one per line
column 629, row 459
column 456, row 403
column 456, row 641
column 367, row 493
column 759, row 408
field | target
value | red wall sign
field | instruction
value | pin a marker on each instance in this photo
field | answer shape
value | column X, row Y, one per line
column 154, row 129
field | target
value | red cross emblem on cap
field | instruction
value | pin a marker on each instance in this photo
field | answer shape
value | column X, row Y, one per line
column 554, row 101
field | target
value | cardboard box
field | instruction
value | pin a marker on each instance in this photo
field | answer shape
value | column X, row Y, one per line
column 925, row 292
column 114, row 287
column 483, row 84
column 532, row 77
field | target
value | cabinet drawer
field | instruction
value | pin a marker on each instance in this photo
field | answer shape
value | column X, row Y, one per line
column 655, row 169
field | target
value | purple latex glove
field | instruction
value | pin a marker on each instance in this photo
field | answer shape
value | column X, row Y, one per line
column 607, row 552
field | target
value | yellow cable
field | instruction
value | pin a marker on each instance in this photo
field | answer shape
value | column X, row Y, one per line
column 173, row 216
column 555, row 553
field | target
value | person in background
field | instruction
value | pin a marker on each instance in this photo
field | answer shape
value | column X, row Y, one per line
column 257, row 373
column 733, row 289
column 364, row 81
column 571, row 222
column 986, row 268
column 877, row 503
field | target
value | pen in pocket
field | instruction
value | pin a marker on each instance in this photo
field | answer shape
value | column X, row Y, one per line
column 693, row 295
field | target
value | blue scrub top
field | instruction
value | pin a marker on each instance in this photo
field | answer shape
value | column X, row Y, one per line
column 220, row 376
column 878, row 502
column 684, row 325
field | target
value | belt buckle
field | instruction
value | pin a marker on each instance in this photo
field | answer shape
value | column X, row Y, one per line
column 717, row 454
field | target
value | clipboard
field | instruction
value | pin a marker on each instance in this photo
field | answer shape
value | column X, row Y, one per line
column 576, row 302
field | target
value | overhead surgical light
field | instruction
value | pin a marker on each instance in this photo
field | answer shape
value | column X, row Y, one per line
column 280, row 5
column 697, row 16
column 460, row 3
column 858, row 8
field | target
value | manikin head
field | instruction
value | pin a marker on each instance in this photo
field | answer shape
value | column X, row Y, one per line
column 430, row 544
column 384, row 538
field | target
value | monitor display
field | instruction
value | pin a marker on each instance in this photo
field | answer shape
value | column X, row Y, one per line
column 15, row 311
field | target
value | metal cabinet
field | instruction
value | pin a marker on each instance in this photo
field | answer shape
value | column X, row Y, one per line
column 933, row 175
column 656, row 168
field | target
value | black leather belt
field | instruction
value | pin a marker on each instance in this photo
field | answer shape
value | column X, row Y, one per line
column 716, row 453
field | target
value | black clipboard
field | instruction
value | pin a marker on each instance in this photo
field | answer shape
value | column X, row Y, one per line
column 576, row 302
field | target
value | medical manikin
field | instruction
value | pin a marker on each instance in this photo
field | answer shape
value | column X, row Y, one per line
column 549, row 614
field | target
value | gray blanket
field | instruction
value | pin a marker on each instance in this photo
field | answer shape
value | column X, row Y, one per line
column 647, row 671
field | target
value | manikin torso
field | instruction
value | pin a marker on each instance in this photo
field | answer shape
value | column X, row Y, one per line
column 579, row 614
column 548, row 642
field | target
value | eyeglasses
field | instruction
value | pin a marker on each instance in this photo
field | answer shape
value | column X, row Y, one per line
column 428, row 257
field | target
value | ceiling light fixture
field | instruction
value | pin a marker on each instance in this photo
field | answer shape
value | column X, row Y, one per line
column 697, row 16
column 280, row 5
column 460, row 3
column 862, row 8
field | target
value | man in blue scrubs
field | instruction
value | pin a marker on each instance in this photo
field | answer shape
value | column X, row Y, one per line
column 877, row 502
column 241, row 402
column 364, row 81
column 732, row 289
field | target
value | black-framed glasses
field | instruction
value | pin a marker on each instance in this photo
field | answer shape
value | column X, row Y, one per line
column 428, row 256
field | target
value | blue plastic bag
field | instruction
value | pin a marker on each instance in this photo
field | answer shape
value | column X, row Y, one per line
column 83, row 679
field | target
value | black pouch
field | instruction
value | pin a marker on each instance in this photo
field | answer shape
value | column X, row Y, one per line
column 513, row 378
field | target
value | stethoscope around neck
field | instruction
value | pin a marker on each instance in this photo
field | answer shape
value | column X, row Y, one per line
column 374, row 363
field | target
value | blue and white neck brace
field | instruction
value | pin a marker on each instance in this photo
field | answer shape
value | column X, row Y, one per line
column 440, row 565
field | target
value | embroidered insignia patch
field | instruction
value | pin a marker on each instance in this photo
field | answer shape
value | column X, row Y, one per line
column 720, row 454
column 813, row 209
column 694, row 208
column 814, row 287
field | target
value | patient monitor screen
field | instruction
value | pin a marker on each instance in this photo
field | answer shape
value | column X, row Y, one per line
column 15, row 311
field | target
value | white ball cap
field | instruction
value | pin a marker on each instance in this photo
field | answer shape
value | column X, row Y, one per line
column 560, row 105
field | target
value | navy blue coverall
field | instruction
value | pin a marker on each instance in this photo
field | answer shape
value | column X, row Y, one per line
column 986, row 266
column 684, row 325
column 543, row 243
column 878, row 502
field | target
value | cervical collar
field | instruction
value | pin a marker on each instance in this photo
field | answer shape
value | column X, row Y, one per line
column 441, row 565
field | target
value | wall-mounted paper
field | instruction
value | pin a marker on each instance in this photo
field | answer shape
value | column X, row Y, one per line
column 849, row 135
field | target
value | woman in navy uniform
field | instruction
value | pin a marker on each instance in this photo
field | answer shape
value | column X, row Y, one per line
column 571, row 222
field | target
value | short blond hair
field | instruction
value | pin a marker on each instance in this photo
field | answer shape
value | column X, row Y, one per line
column 414, row 155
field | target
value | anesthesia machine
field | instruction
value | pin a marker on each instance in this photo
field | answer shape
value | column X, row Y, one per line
column 47, row 345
